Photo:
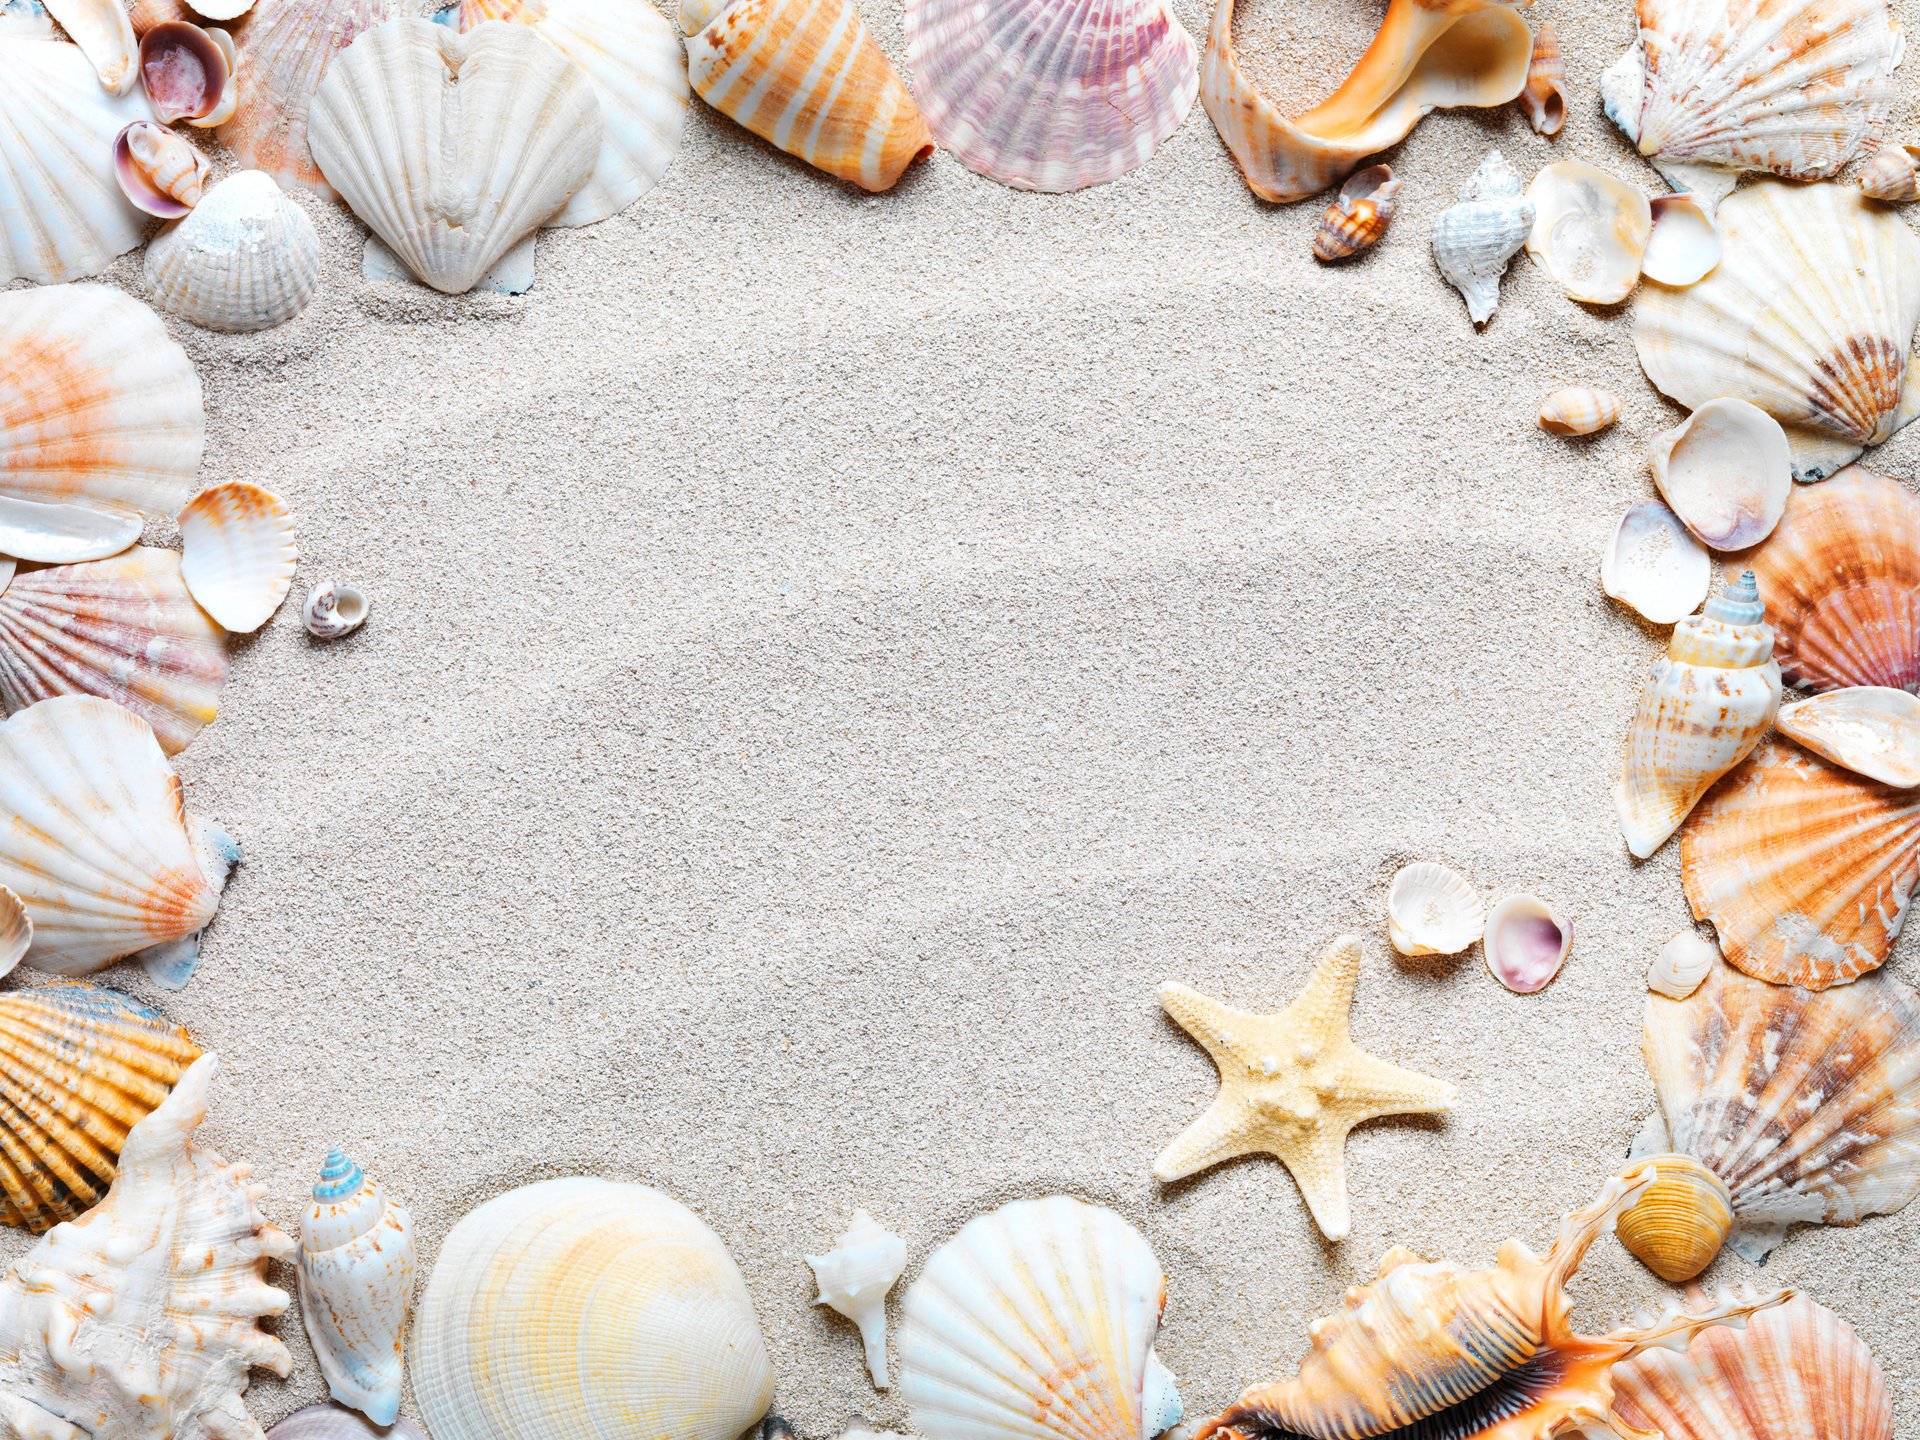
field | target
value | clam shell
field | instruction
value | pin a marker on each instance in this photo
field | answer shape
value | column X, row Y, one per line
column 1685, row 244
column 1726, row 470
column 1682, row 964
column 1893, row 174
column 101, row 424
column 1359, row 216
column 356, row 1269
column 1474, row 239
column 336, row 1422
column 1871, row 730
column 334, row 609
column 1589, row 230
column 1579, row 410
column 237, row 553
column 100, row 28
column 854, row 1278
column 1655, row 566
column 158, row 170
column 1525, row 942
column 185, row 71
column 246, row 259
column 1432, row 910
column 16, row 930
column 1545, row 98
column 1044, row 96
column 1679, row 1222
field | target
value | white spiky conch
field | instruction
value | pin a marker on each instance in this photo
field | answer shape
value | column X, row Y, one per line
column 140, row 1320
column 245, row 258
column 1474, row 239
column 356, row 1286
column 854, row 1278
column 237, row 553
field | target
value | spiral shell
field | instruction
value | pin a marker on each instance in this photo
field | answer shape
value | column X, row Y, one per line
column 854, row 1278
column 1679, row 1224
column 334, row 609
column 1893, row 175
column 1474, row 239
column 1682, row 965
column 1545, row 98
column 1580, row 410
column 1359, row 217
column 158, row 170
column 356, row 1286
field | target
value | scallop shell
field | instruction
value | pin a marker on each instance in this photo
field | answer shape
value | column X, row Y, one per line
column 854, row 1278
column 1654, row 566
column 1037, row 1322
column 1726, row 471
column 79, row 1067
column 1798, row 1372
column 124, row 629
column 62, row 212
column 246, row 259
column 1893, row 174
column 1474, row 239
column 16, row 930
column 1810, row 315
column 1685, row 244
column 334, row 609
column 1463, row 53
column 100, row 422
column 1545, row 98
column 1525, row 942
column 1842, row 579
column 1044, row 96
column 1678, row 1226
column 509, row 1335
column 356, row 1286
column 1805, row 1104
column 631, row 56
column 1432, row 910
column 1579, row 410
column 1871, row 730
column 1360, row 216
column 336, row 1422
column 100, row 28
column 237, row 553
column 185, row 71
column 1681, row 965
column 804, row 76
column 158, row 170
column 451, row 179
column 1589, row 230
column 1795, row 87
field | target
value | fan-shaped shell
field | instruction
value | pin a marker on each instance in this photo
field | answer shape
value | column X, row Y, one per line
column 1432, row 910
column 336, row 1422
column 1359, row 216
column 246, row 258
column 1589, row 230
column 100, row 421
column 237, row 553
column 1036, row 1322
column 1726, row 471
column 536, row 1286
column 1045, row 96
column 356, row 1286
column 1806, row 1104
column 1654, row 565
column 1871, row 730
column 1685, row 244
column 1810, row 315
column 124, row 629
column 79, row 1067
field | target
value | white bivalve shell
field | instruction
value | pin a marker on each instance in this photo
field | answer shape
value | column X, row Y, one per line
column 237, row 553
column 1589, row 230
column 1474, row 239
column 1683, row 963
column 854, row 1278
column 1654, row 566
column 245, row 258
column 1432, row 910
column 336, row 1422
column 1525, row 943
column 1727, row 471
column 1685, row 244
column 356, row 1286
column 1873, row 730
column 102, row 30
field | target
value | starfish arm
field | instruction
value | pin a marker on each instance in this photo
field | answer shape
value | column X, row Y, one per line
column 1209, row 1022
column 1370, row 1087
column 1319, row 1167
column 1220, row 1134
column 1324, row 1004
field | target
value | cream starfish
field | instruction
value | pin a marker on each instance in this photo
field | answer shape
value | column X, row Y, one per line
column 1292, row 1085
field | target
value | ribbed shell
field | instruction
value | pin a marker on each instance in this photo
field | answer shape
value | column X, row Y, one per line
column 1474, row 239
column 1432, row 910
column 1893, row 175
column 1870, row 730
column 1841, row 573
column 588, row 1309
column 336, row 1422
column 124, row 629
column 79, row 1067
column 1678, row 1226
column 1359, row 216
column 1579, row 410
column 237, row 553
column 1545, row 98
column 1806, row 1104
column 245, row 258
column 1048, row 96
column 356, row 1285
column 16, row 930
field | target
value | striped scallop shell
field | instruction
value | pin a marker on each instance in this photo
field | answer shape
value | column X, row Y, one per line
column 245, row 258
column 80, row 1065
column 237, row 553
column 1047, row 96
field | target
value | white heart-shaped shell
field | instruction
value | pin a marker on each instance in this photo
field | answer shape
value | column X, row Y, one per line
column 1727, row 471
column 245, row 259
column 1654, row 565
column 1432, row 910
column 1590, row 230
column 237, row 553
column 1873, row 730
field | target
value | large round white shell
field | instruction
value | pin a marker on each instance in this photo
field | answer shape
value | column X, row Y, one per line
column 245, row 258
column 1654, row 565
column 1871, row 729
column 1432, row 910
column 1590, row 230
column 1727, row 471
column 237, row 553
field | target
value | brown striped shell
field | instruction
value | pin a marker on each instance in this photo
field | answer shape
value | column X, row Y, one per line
column 1359, row 216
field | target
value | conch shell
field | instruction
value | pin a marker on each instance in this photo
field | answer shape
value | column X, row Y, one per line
column 1474, row 239
column 854, row 1278
column 356, row 1286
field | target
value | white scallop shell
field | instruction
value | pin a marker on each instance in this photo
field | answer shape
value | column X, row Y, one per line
column 237, row 553
column 1727, row 471
column 1685, row 244
column 1589, row 230
column 1872, row 730
column 102, row 30
column 334, row 609
column 1682, row 964
column 1655, row 566
column 1525, row 942
column 533, row 1290
column 245, row 258
column 356, row 1286
column 1474, row 239
column 854, row 1278
column 1019, row 1301
column 336, row 1422
column 1432, row 910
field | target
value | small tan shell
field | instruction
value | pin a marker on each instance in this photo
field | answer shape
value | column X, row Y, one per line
column 1680, row 1222
column 1682, row 965
column 1545, row 98
column 1579, row 410
column 1360, row 216
column 1893, row 175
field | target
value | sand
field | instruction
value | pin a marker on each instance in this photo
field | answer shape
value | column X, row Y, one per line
column 834, row 656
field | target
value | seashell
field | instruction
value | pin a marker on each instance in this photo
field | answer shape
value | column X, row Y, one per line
column 1432, row 910
column 1870, row 729
column 1842, row 577
column 100, row 422
column 141, row 1318
column 123, row 629
column 334, row 609
column 1794, row 87
column 1727, row 472
column 1798, row 1371
column 1685, row 244
column 510, row 1335
column 854, row 1278
column 1474, row 239
column 1360, row 216
column 95, row 778
column 1545, row 98
column 1051, row 97
column 1805, row 1104
column 1810, row 315
column 100, row 28
column 237, row 553
column 1580, row 410
column 16, row 931
column 65, row 215
column 1680, row 1222
column 1654, row 566
column 246, row 259
column 184, row 69
column 1683, row 962
column 459, row 186
column 336, row 1422
column 1463, row 53
column 221, row 11
column 79, row 1067
column 1431, row 1349
column 25, row 19
column 356, row 1286
column 1023, row 1296
column 158, row 171
column 804, row 76
column 1525, row 942
column 1589, row 230
column 229, row 100
column 145, row 14
column 1893, row 174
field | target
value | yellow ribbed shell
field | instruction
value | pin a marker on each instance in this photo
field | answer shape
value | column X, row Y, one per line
column 1680, row 1223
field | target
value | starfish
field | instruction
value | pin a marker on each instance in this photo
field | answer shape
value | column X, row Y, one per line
column 1292, row 1085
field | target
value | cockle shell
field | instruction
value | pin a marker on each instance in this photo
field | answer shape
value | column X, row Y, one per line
column 1545, row 98
column 1037, row 1322
column 1682, row 964
column 1685, row 244
column 804, row 75
column 185, row 71
column 1726, row 471
column 1425, row 56
column 145, row 14
column 511, row 1335
column 1798, row 1372
column 100, row 421
column 1805, row 869
column 1870, row 729
column 453, row 147
column 246, row 259
column 1525, row 942
column 158, row 170
column 336, row 1422
column 1589, row 230
column 1677, row 1227
column 1805, row 1104
column 1893, row 174
column 1432, row 910
column 237, row 553
column 854, row 1278
column 1579, row 410
column 1706, row 704
column 79, row 1067
column 1474, row 239
column 124, row 629
column 1043, row 96
column 356, row 1286
column 1654, row 565
column 334, row 609
column 1810, row 315
column 100, row 28
column 1359, row 216
column 141, row 1318
column 1431, row 1349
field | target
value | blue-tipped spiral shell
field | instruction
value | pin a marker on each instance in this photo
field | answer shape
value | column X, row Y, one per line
column 339, row 1177
column 1739, row 603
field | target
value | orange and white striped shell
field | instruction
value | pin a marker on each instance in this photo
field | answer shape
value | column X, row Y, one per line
column 1579, row 410
column 1360, row 214
column 1545, row 98
column 237, row 553
column 1893, row 175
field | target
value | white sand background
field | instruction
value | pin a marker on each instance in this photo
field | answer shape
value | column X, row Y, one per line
column 834, row 656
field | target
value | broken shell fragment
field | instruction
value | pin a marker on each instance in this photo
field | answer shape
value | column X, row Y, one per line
column 237, row 553
column 1525, row 943
column 334, row 609
column 1474, row 239
column 101, row 29
column 1682, row 964
column 1359, row 216
column 160, row 172
column 1680, row 1221
column 1589, row 230
column 1655, row 566
column 184, row 69
column 229, row 101
column 1685, row 245
column 1727, row 471
column 1579, row 410
column 1892, row 175
column 1432, row 910
column 1873, row 730
column 1545, row 98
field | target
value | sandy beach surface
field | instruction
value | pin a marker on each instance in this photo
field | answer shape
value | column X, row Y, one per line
column 834, row 656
